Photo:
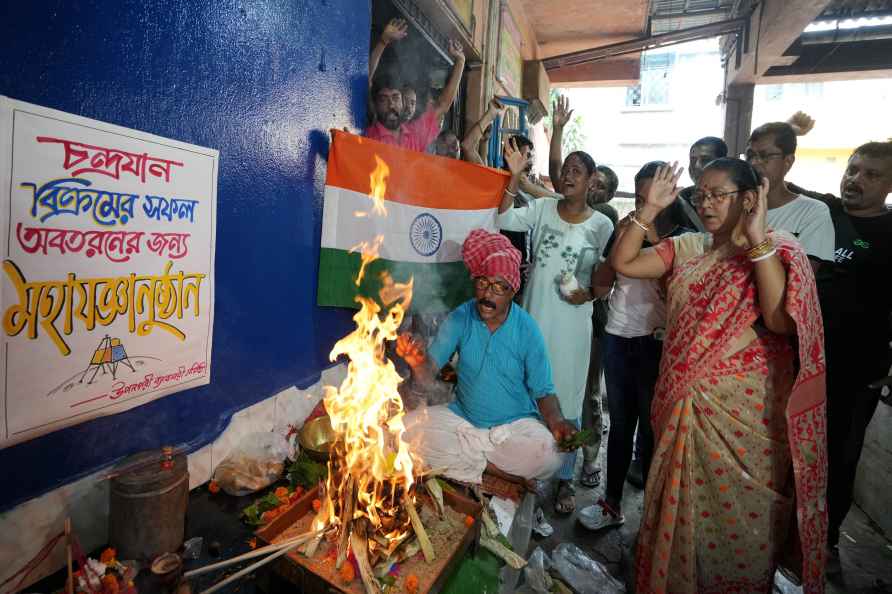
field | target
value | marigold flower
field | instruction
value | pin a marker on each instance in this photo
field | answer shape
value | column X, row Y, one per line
column 108, row 556
column 110, row 585
column 348, row 574
column 411, row 584
column 214, row 487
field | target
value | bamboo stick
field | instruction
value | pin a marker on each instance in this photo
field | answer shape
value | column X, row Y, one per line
column 433, row 487
column 426, row 546
column 297, row 540
column 500, row 550
column 69, row 582
column 250, row 568
column 359, row 545
column 431, row 472
column 346, row 520
column 492, row 529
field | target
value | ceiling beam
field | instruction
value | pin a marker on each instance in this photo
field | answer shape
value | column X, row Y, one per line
column 645, row 43
column 774, row 26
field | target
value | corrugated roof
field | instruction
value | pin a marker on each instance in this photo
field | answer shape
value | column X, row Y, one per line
column 841, row 9
column 673, row 15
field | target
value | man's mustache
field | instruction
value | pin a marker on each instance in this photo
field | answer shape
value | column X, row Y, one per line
column 487, row 303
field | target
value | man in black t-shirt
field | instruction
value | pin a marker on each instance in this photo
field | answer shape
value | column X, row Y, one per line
column 857, row 305
column 705, row 150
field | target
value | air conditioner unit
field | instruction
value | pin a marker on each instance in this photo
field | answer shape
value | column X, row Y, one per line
column 535, row 90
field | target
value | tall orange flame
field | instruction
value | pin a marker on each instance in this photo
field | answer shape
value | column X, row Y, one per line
column 366, row 411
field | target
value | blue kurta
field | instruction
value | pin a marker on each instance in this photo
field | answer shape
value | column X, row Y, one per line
column 501, row 374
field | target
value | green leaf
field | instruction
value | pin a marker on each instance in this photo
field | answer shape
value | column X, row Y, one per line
column 252, row 515
column 579, row 439
column 268, row 502
column 306, row 472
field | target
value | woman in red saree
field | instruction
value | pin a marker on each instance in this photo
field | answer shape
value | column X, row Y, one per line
column 739, row 470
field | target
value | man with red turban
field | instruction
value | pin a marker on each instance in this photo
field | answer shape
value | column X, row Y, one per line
column 505, row 418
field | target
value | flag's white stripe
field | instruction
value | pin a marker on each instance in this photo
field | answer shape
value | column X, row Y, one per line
column 342, row 229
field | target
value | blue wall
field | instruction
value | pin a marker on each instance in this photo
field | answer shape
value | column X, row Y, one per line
column 262, row 81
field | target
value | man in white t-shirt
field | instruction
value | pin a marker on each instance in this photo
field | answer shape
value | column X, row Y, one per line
column 772, row 151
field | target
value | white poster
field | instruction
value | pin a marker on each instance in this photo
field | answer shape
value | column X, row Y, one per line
column 107, row 270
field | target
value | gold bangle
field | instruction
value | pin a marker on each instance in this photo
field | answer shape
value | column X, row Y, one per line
column 760, row 249
column 635, row 220
column 764, row 256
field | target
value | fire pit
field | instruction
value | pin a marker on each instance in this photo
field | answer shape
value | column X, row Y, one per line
column 450, row 538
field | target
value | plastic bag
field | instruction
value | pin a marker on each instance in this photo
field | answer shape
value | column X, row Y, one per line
column 192, row 548
column 257, row 462
column 536, row 572
column 582, row 573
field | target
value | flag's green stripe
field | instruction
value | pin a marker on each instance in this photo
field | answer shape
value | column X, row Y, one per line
column 437, row 287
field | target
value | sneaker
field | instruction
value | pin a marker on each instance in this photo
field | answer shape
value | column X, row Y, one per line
column 833, row 566
column 541, row 525
column 635, row 476
column 599, row 516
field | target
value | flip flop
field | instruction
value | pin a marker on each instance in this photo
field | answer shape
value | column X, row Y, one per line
column 564, row 502
column 590, row 479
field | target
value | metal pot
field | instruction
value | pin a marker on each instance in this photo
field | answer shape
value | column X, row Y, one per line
column 316, row 438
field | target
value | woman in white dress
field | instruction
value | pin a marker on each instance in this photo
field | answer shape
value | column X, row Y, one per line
column 568, row 237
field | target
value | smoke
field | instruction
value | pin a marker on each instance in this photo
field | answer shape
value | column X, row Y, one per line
column 436, row 291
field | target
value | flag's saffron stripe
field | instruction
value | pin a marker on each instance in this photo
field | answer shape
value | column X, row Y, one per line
column 415, row 178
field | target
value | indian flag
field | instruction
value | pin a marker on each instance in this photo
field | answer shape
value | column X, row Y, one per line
column 432, row 203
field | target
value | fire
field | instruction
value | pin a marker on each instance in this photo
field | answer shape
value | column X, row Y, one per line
column 371, row 469
column 378, row 180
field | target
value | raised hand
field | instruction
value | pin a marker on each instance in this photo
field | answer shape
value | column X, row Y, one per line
column 496, row 107
column 802, row 123
column 515, row 160
column 663, row 189
column 562, row 112
column 411, row 350
column 455, row 50
column 395, row 30
column 755, row 225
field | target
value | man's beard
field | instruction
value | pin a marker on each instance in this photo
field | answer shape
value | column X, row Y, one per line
column 391, row 123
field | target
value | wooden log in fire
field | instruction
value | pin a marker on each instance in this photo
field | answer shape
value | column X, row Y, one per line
column 425, row 542
column 359, row 546
column 346, row 520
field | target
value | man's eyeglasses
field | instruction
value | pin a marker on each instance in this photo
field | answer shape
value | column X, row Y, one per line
column 753, row 157
column 483, row 284
column 700, row 197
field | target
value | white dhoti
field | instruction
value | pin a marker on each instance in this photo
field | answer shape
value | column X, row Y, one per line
column 523, row 448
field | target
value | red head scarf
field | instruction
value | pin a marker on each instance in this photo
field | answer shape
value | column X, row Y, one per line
column 491, row 254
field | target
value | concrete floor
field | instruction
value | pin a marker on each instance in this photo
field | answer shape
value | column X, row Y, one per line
column 865, row 553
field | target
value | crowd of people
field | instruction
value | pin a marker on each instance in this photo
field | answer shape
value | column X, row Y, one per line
column 739, row 325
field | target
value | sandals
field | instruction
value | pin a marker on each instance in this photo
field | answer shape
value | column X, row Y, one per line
column 564, row 500
column 590, row 479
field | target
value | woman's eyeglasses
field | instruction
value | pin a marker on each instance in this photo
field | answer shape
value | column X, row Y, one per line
column 483, row 284
column 699, row 198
